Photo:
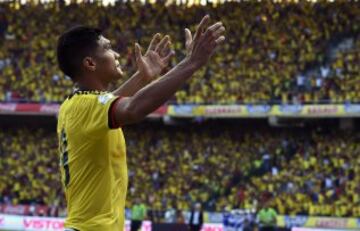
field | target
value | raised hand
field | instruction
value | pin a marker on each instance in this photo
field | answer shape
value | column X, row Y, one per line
column 206, row 40
column 156, row 58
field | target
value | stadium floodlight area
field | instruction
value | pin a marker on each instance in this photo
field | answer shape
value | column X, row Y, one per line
column 178, row 2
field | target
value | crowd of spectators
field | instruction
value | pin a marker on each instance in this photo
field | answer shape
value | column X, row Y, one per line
column 341, row 72
column 221, row 166
column 30, row 167
column 321, row 178
column 270, row 46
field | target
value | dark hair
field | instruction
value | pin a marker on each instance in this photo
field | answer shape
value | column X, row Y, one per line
column 73, row 46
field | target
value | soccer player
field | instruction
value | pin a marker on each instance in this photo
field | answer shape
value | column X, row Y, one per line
column 91, row 142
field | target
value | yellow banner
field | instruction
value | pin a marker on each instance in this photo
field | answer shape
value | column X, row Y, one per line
column 318, row 222
column 264, row 111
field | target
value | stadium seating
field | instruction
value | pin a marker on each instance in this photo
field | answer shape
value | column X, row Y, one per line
column 320, row 179
column 343, row 72
column 221, row 165
column 269, row 47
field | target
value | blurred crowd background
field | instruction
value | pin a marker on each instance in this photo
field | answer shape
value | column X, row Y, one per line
column 288, row 52
column 223, row 166
column 276, row 52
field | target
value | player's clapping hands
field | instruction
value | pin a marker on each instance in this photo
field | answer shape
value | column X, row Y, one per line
column 206, row 40
column 156, row 58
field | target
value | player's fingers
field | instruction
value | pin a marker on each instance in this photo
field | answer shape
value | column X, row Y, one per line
column 166, row 49
column 220, row 40
column 168, row 56
column 137, row 52
column 212, row 29
column 201, row 27
column 214, row 44
column 215, row 26
column 162, row 43
column 154, row 42
column 216, row 34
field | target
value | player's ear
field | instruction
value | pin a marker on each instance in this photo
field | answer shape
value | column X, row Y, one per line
column 89, row 63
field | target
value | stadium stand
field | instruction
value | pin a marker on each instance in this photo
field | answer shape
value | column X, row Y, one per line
column 277, row 52
column 311, row 171
column 270, row 48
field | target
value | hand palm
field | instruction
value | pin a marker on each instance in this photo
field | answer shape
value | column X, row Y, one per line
column 151, row 64
column 156, row 58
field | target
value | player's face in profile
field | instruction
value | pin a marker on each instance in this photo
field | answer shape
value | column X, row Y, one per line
column 107, row 63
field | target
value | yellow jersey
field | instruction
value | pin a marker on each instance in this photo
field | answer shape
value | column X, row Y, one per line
column 92, row 162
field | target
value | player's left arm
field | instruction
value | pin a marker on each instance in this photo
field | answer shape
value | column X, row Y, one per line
column 156, row 59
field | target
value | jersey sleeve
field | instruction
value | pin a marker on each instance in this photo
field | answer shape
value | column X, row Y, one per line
column 99, row 116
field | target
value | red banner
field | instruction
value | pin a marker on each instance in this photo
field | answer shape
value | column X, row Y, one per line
column 15, row 209
column 24, row 209
column 51, row 109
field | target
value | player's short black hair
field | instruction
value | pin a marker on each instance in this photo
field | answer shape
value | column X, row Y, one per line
column 73, row 46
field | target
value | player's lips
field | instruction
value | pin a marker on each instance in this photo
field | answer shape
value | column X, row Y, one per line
column 118, row 66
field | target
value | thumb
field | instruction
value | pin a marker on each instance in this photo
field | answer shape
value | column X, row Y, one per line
column 188, row 38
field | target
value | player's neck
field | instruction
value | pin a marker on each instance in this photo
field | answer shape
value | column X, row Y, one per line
column 92, row 84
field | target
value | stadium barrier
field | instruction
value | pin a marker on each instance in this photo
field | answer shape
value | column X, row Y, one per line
column 213, row 220
column 319, row 222
column 24, row 209
column 316, row 229
column 34, row 223
column 28, row 223
column 236, row 219
column 264, row 111
column 51, row 109
column 212, row 111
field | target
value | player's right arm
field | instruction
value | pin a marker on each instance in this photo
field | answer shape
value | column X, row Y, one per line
column 199, row 50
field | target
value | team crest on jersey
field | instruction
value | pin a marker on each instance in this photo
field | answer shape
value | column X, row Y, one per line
column 103, row 99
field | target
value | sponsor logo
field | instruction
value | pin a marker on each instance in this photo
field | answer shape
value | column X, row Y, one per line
column 291, row 109
column 320, row 110
column 42, row 224
column 295, row 221
column 223, row 110
column 183, row 109
column 52, row 108
column 258, row 109
column 350, row 108
column 331, row 223
column 212, row 227
column 7, row 106
column 19, row 209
